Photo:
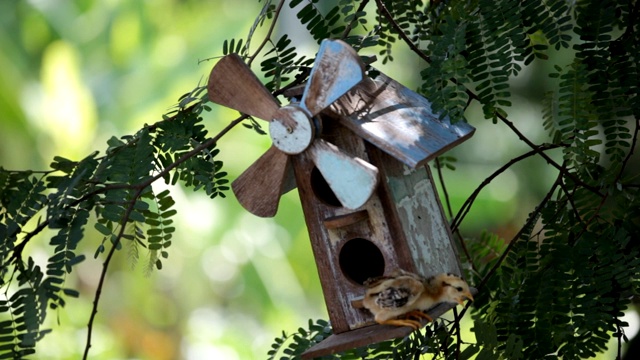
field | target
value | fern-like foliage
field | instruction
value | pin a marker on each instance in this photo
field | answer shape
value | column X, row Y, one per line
column 445, row 50
column 282, row 60
column 116, row 187
column 558, row 289
column 572, row 294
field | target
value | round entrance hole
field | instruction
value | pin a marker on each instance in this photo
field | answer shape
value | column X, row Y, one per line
column 360, row 259
column 321, row 189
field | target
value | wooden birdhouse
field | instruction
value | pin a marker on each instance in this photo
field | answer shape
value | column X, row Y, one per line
column 356, row 147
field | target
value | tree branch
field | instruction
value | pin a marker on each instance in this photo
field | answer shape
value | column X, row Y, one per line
column 464, row 209
column 349, row 26
column 19, row 248
column 269, row 32
column 550, row 161
column 634, row 142
column 105, row 266
column 383, row 9
column 139, row 189
column 515, row 238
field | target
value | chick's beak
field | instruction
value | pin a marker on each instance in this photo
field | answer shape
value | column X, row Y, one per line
column 466, row 295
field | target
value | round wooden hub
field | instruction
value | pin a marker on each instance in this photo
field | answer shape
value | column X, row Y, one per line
column 291, row 129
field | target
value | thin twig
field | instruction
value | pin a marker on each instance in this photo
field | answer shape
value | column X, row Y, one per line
column 105, row 267
column 634, row 141
column 456, row 328
column 463, row 245
column 571, row 202
column 17, row 251
column 459, row 236
column 349, row 26
column 444, row 187
column 139, row 189
column 383, row 9
column 269, row 32
column 464, row 209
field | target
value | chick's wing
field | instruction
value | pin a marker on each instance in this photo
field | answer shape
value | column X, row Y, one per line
column 394, row 292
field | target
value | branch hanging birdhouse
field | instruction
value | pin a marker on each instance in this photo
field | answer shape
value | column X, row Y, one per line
column 356, row 147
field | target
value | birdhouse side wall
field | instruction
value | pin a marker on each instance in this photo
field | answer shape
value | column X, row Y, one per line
column 333, row 228
column 327, row 242
column 414, row 198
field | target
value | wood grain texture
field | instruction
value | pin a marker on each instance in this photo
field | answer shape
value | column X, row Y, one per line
column 405, row 222
column 337, row 69
column 339, row 221
column 258, row 189
column 412, row 195
column 326, row 242
column 398, row 121
column 234, row 85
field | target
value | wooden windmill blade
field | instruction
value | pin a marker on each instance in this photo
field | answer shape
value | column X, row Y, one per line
column 234, row 85
column 259, row 187
column 337, row 70
column 395, row 119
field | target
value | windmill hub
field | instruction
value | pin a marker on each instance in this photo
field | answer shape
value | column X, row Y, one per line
column 291, row 129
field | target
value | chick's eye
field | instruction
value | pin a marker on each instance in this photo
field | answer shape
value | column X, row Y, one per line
column 459, row 288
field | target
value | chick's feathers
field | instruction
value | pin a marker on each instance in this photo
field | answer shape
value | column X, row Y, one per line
column 393, row 297
column 404, row 294
column 399, row 290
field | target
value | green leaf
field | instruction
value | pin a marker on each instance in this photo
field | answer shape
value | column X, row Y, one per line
column 103, row 229
column 136, row 216
column 71, row 292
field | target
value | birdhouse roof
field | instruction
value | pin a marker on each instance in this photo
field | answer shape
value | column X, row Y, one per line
column 398, row 121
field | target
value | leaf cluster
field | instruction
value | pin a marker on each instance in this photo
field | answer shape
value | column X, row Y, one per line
column 562, row 295
column 284, row 67
column 558, row 289
column 473, row 47
column 115, row 189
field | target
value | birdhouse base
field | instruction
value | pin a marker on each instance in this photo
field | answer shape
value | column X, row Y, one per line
column 356, row 338
column 369, row 335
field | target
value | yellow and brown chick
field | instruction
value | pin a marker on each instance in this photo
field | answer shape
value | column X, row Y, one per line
column 402, row 296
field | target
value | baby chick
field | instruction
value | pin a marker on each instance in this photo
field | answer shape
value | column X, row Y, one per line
column 401, row 296
column 388, row 297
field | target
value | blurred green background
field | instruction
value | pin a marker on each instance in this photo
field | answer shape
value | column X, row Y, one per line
column 74, row 73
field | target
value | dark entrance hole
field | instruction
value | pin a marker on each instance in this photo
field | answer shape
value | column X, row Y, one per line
column 360, row 259
column 321, row 189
